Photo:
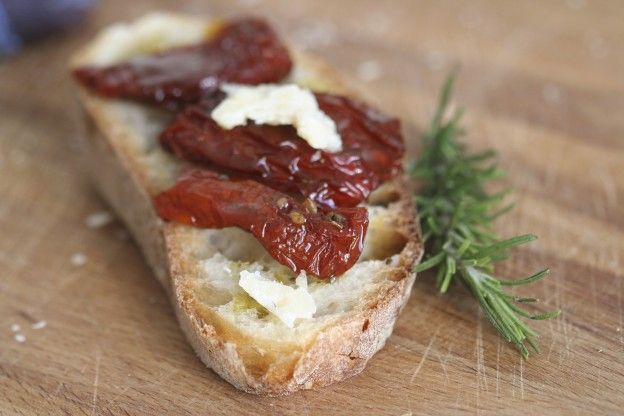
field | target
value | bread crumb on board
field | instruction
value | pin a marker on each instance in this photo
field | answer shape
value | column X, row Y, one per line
column 78, row 259
column 19, row 337
column 99, row 219
column 39, row 325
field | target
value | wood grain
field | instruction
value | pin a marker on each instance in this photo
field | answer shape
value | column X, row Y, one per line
column 543, row 84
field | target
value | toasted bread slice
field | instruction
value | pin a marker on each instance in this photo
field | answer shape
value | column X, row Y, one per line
column 200, row 269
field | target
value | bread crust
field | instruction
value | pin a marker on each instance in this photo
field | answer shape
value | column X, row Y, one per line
column 340, row 350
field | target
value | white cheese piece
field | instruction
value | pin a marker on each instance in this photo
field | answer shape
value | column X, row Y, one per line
column 276, row 105
column 149, row 34
column 285, row 302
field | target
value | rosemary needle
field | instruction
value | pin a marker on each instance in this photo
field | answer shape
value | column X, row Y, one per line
column 456, row 214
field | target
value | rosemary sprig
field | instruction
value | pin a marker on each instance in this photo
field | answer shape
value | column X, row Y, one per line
column 456, row 213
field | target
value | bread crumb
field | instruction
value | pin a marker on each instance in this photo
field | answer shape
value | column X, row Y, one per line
column 99, row 219
column 39, row 325
column 19, row 338
column 78, row 259
column 15, row 327
column 369, row 70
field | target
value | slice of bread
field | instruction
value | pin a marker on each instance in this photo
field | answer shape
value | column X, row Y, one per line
column 247, row 346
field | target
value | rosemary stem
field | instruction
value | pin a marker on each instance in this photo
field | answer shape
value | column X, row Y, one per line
column 456, row 215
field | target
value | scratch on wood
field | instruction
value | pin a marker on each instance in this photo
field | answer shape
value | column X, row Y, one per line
column 557, row 299
column 477, row 399
column 191, row 402
column 402, row 347
column 58, row 389
column 443, row 365
column 442, row 362
column 497, row 367
column 550, row 323
column 562, row 352
column 552, row 342
column 513, row 382
column 96, row 382
column 120, row 392
column 561, row 322
column 621, row 289
column 609, row 187
column 424, row 357
column 409, row 405
column 305, row 406
column 481, row 370
column 565, row 325
column 620, row 329
column 594, row 297
column 459, row 392
column 521, row 378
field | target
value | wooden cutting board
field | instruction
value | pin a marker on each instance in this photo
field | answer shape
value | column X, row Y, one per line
column 543, row 83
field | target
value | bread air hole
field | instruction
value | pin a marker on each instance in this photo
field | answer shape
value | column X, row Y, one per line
column 383, row 239
column 384, row 195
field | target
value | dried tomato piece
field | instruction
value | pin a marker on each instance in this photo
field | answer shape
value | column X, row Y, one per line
column 372, row 151
column 366, row 133
column 301, row 235
column 245, row 51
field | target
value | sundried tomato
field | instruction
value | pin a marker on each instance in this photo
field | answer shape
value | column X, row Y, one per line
column 244, row 51
column 297, row 233
column 372, row 151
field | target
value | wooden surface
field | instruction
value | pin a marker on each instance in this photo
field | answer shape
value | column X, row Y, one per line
column 543, row 82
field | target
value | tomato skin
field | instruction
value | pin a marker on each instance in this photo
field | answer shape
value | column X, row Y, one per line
column 244, row 51
column 303, row 236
